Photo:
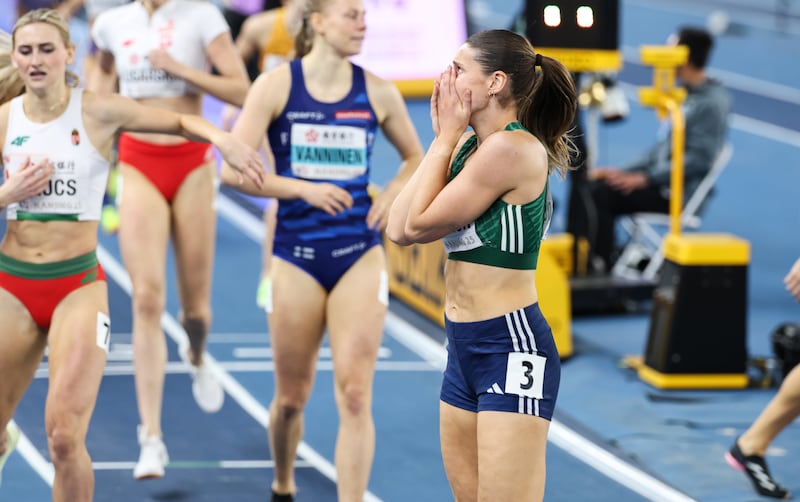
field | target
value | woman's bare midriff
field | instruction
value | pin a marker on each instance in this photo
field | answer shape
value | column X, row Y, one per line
column 478, row 292
column 188, row 103
column 47, row 242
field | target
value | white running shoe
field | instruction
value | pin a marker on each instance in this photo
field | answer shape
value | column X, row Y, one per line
column 207, row 391
column 12, row 436
column 152, row 456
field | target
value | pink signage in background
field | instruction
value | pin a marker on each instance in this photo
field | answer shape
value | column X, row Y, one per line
column 411, row 40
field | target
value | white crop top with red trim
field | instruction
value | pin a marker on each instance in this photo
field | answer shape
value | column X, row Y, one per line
column 183, row 27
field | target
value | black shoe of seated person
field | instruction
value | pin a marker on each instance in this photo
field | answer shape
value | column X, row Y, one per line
column 755, row 467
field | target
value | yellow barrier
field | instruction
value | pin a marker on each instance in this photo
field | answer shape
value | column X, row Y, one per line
column 416, row 276
column 414, row 89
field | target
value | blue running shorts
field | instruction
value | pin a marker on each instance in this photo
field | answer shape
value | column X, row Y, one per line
column 326, row 260
column 509, row 363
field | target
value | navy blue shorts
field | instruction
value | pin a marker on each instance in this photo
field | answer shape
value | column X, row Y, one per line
column 509, row 363
column 325, row 260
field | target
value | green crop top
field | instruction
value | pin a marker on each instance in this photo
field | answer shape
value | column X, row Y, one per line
column 506, row 235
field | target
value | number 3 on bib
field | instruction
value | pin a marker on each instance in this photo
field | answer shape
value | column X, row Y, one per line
column 525, row 374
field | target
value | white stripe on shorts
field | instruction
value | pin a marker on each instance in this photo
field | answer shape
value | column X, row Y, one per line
column 520, row 332
column 528, row 406
column 511, row 332
column 528, row 331
column 522, row 337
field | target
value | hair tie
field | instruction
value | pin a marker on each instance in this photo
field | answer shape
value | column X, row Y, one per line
column 537, row 61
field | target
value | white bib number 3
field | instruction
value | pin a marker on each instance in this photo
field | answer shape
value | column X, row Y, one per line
column 525, row 374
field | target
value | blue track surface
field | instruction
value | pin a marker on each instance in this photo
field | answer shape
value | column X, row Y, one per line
column 614, row 437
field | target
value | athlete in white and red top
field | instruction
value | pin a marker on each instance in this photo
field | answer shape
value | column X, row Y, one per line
column 160, row 51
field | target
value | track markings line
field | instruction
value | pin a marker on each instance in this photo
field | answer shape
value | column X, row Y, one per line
column 28, row 451
column 199, row 464
column 178, row 368
column 233, row 388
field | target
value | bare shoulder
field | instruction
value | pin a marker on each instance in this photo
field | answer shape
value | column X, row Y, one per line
column 515, row 144
column 268, row 95
column 259, row 26
column 109, row 109
column 98, row 106
column 515, row 150
column 272, row 86
column 513, row 162
column 384, row 96
column 4, row 122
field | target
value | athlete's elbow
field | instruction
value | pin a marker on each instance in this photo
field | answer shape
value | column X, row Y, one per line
column 418, row 234
column 241, row 90
column 396, row 234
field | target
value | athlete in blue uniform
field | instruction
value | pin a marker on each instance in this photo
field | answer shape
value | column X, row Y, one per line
column 329, row 269
column 485, row 194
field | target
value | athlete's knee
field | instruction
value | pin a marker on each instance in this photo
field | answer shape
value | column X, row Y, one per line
column 63, row 438
column 353, row 398
column 148, row 300
column 287, row 410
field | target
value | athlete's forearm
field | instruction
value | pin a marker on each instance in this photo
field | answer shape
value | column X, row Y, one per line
column 3, row 199
column 197, row 128
column 275, row 186
column 232, row 90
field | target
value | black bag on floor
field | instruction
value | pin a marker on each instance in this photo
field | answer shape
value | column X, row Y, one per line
column 786, row 346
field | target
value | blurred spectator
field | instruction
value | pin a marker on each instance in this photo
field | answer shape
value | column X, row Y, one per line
column 644, row 186
column 236, row 13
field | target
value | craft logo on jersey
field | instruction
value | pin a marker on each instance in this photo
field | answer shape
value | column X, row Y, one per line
column 76, row 137
column 20, row 140
column 295, row 115
column 353, row 115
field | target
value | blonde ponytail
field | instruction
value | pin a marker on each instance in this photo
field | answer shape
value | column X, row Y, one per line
column 11, row 84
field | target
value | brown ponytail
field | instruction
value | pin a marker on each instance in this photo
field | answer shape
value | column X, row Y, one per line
column 305, row 37
column 546, row 99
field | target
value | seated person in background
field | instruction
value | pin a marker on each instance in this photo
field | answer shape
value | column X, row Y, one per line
column 644, row 186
